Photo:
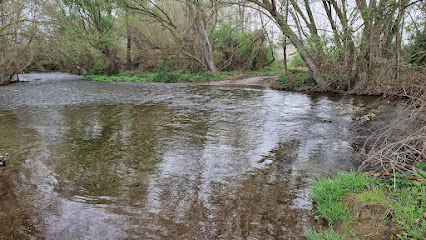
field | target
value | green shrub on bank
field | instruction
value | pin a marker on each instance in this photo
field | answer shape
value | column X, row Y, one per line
column 296, row 79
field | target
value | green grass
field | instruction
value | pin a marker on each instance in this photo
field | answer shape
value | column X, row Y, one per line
column 329, row 234
column 404, row 198
column 167, row 77
column 409, row 205
column 328, row 192
column 332, row 190
column 177, row 77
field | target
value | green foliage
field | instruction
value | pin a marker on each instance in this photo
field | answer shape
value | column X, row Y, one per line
column 333, row 211
column 328, row 192
column 328, row 234
column 297, row 62
column 296, row 79
column 84, row 38
column 166, row 77
column 376, row 195
column 405, row 198
column 409, row 205
column 416, row 51
column 241, row 50
column 421, row 169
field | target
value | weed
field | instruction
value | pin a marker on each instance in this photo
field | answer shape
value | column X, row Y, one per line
column 327, row 189
column 404, row 198
column 329, row 234
column 333, row 212
column 328, row 192
column 374, row 195
column 409, row 206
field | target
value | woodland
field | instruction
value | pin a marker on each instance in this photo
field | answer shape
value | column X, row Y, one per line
column 374, row 47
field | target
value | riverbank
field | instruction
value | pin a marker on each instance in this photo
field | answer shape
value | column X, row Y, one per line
column 222, row 78
column 357, row 206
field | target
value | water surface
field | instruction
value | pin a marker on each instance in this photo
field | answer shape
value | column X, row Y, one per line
column 98, row 160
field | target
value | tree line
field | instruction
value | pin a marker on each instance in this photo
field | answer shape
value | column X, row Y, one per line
column 356, row 46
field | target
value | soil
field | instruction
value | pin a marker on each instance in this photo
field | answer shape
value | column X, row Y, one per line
column 371, row 221
column 255, row 81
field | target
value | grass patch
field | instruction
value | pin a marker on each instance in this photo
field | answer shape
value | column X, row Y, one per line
column 296, row 79
column 409, row 207
column 177, row 77
column 352, row 199
column 328, row 234
column 166, row 77
column 332, row 190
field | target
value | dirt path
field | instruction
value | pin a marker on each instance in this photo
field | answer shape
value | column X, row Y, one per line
column 260, row 81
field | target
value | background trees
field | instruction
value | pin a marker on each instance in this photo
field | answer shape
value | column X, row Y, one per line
column 358, row 46
column 17, row 31
column 347, row 45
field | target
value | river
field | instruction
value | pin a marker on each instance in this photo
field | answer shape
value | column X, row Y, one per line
column 102, row 160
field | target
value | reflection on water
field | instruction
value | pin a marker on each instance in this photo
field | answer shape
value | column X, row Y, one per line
column 156, row 161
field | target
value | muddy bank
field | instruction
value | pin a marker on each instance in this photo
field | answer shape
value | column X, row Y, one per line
column 255, row 81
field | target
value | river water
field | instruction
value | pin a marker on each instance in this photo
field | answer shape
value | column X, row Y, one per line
column 99, row 160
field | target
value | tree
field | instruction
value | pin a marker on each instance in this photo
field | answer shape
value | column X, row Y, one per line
column 93, row 21
column 363, row 37
column 194, row 29
column 18, row 30
column 271, row 6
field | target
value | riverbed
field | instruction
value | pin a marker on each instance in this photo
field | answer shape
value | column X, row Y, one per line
column 104, row 160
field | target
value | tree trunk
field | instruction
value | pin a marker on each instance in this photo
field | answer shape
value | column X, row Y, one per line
column 129, row 43
column 298, row 43
column 285, row 41
column 285, row 55
column 207, row 48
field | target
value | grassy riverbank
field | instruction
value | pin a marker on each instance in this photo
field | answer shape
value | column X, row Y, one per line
column 360, row 207
column 176, row 77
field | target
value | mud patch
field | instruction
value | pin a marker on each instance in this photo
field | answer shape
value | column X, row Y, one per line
column 255, row 81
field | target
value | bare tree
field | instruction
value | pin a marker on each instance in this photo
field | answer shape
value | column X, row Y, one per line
column 17, row 32
column 195, row 30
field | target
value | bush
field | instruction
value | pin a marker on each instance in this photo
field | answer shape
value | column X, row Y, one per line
column 296, row 79
column 241, row 50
